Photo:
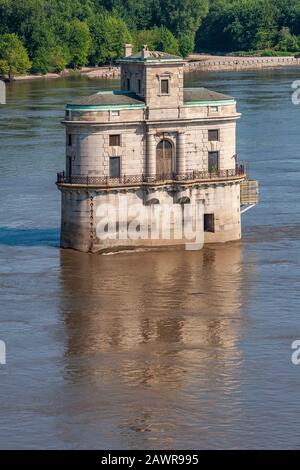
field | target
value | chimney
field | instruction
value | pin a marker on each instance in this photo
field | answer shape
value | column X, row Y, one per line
column 127, row 50
column 145, row 51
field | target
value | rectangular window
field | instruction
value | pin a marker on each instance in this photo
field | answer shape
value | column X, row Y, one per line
column 70, row 139
column 115, row 113
column 213, row 161
column 213, row 135
column 128, row 84
column 139, row 86
column 115, row 140
column 114, row 167
column 214, row 109
column 164, row 87
column 209, row 223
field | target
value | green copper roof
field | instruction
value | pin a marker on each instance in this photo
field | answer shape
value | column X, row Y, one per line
column 204, row 94
column 118, row 100
column 108, row 98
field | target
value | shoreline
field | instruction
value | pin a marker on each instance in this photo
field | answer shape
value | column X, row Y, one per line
column 195, row 62
column 91, row 72
column 210, row 63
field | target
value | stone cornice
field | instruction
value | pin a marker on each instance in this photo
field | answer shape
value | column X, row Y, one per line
column 156, row 122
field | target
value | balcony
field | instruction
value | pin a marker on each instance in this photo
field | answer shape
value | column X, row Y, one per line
column 237, row 173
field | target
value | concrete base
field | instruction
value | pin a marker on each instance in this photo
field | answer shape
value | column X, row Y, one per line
column 138, row 218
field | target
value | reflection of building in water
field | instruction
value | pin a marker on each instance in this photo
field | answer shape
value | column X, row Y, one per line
column 120, row 302
column 147, row 330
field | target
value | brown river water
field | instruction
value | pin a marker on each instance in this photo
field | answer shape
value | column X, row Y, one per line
column 166, row 350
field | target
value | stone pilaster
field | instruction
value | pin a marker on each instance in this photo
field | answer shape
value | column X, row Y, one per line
column 151, row 155
column 180, row 164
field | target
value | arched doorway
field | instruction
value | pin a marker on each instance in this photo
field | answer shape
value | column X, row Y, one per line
column 164, row 158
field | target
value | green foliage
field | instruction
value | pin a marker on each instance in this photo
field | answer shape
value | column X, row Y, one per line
column 78, row 39
column 4, row 68
column 233, row 25
column 167, row 42
column 50, row 59
column 138, row 14
column 239, row 25
column 157, row 39
column 182, row 16
column 264, row 39
column 14, row 59
column 186, row 43
column 72, row 33
column 109, row 34
column 287, row 41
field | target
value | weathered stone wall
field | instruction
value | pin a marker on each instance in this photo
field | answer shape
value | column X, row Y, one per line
column 228, row 63
column 154, row 98
column 134, row 72
column 81, row 216
column 90, row 150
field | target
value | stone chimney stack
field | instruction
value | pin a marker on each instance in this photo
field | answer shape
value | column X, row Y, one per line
column 145, row 51
column 127, row 50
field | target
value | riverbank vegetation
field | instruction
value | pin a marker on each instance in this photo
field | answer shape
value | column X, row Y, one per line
column 41, row 36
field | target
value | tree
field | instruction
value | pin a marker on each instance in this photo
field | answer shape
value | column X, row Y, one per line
column 109, row 33
column 182, row 16
column 13, row 56
column 157, row 39
column 50, row 59
column 186, row 43
column 287, row 42
column 238, row 25
column 146, row 36
column 77, row 32
column 288, row 15
column 167, row 41
column 78, row 40
column 264, row 39
column 138, row 14
column 247, row 19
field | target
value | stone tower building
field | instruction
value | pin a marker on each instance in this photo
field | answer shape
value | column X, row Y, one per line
column 155, row 146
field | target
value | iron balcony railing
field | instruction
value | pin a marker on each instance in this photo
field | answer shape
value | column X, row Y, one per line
column 125, row 180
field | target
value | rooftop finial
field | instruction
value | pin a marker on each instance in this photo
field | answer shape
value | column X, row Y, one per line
column 145, row 51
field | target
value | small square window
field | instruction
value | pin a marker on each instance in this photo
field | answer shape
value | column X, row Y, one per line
column 114, row 167
column 164, row 87
column 115, row 140
column 70, row 140
column 213, row 162
column 209, row 223
column 115, row 113
column 214, row 109
column 213, row 135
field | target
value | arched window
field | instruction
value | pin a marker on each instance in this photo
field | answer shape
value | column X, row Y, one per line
column 164, row 158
